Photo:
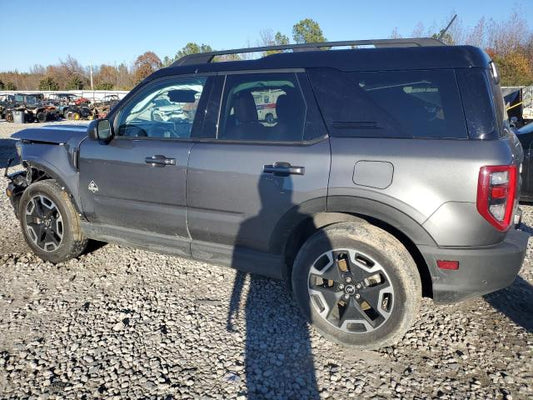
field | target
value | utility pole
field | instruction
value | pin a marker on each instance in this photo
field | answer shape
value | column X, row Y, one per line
column 91, row 74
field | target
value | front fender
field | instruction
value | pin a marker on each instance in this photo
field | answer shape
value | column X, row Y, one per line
column 55, row 162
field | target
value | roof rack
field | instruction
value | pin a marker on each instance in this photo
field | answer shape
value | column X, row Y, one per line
column 205, row 58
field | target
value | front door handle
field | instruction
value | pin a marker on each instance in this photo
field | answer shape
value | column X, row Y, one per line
column 159, row 161
column 282, row 168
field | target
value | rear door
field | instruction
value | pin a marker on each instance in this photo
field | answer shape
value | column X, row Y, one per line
column 136, row 184
column 269, row 158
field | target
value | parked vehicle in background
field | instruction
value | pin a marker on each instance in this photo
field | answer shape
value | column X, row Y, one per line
column 32, row 106
column 525, row 136
column 386, row 174
column 62, row 101
column 519, row 104
column 101, row 108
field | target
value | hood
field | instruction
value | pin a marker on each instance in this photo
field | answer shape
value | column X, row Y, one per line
column 53, row 134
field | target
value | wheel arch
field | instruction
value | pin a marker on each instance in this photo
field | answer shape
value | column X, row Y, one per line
column 289, row 237
column 40, row 171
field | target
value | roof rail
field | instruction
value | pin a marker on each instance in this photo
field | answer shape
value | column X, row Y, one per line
column 204, row 58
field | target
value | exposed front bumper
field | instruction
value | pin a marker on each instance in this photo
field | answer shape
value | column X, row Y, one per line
column 481, row 270
column 15, row 187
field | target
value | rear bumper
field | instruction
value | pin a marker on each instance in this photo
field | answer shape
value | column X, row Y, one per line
column 481, row 270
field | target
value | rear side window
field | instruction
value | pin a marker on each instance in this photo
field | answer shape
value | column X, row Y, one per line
column 395, row 104
column 266, row 107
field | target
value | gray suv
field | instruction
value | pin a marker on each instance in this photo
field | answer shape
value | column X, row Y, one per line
column 380, row 176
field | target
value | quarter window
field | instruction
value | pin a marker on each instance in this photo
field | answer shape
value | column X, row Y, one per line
column 408, row 104
column 165, row 110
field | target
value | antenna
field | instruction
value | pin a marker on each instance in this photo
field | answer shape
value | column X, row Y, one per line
column 443, row 32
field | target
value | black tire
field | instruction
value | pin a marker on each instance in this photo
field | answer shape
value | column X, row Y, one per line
column 38, row 225
column 41, row 116
column 392, row 309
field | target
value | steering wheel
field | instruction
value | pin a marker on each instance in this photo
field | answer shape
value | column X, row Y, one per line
column 162, row 131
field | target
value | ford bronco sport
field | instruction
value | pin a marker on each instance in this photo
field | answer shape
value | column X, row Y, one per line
column 382, row 175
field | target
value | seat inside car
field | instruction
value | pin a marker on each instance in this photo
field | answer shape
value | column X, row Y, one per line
column 244, row 124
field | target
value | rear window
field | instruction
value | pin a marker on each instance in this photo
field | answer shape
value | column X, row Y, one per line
column 396, row 104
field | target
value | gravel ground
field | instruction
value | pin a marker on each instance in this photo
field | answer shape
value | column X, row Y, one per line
column 126, row 323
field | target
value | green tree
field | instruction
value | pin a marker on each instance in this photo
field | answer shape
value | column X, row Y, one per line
column 281, row 39
column 446, row 38
column 192, row 48
column 104, row 86
column 307, row 31
column 75, row 83
column 48, row 83
column 2, row 86
column 11, row 86
column 167, row 61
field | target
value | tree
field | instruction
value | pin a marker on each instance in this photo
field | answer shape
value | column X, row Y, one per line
column 192, row 48
column 75, row 83
column 395, row 34
column 104, row 86
column 446, row 38
column 307, row 31
column 48, row 83
column 145, row 65
column 281, row 39
column 105, row 77
column 514, row 68
column 167, row 61
column 2, row 86
column 11, row 86
column 124, row 78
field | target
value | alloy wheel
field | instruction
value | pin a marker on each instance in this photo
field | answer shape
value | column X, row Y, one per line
column 350, row 290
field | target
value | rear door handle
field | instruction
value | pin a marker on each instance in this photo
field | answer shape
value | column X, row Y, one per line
column 282, row 168
column 159, row 161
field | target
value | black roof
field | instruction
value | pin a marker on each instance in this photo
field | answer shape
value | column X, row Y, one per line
column 360, row 59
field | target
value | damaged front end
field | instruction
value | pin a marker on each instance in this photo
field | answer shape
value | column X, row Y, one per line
column 18, row 182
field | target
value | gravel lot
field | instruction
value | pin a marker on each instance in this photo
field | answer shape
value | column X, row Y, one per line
column 126, row 323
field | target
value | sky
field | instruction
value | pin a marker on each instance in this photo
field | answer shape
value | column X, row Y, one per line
column 111, row 32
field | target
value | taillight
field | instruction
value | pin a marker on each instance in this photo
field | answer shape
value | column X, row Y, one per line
column 496, row 193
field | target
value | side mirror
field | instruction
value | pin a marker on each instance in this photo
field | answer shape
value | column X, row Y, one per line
column 100, row 129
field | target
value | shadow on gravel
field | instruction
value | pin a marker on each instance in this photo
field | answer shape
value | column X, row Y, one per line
column 7, row 151
column 516, row 302
column 278, row 361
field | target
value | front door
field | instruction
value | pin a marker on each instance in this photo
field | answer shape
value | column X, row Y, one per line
column 135, row 186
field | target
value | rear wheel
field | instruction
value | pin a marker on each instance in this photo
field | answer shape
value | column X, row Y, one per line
column 50, row 224
column 357, row 284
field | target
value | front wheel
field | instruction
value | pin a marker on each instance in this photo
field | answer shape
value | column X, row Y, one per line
column 50, row 223
column 357, row 285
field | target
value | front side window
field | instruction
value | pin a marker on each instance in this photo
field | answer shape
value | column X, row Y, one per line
column 165, row 110
column 262, row 107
